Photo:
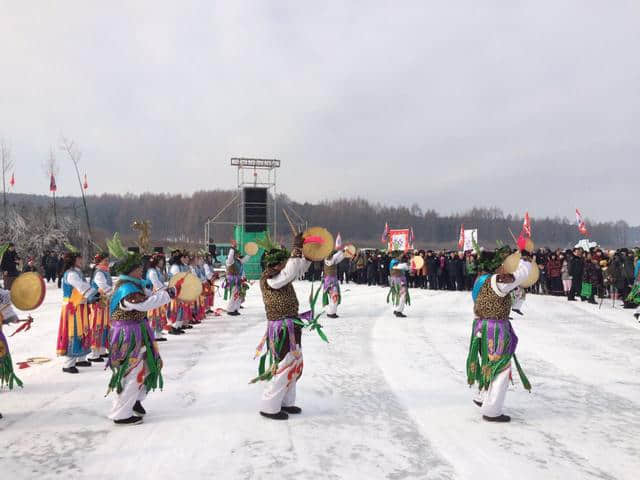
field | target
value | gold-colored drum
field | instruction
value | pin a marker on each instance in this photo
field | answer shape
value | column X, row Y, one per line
column 318, row 244
column 188, row 284
column 251, row 248
column 350, row 251
column 28, row 291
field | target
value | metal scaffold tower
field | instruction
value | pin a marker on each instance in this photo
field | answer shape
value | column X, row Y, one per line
column 255, row 203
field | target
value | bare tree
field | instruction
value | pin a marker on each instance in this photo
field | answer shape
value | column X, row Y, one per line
column 74, row 154
column 6, row 164
column 51, row 169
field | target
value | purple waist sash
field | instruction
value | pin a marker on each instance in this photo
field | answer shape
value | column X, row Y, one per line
column 274, row 330
column 122, row 332
column 501, row 337
column 232, row 281
column 329, row 281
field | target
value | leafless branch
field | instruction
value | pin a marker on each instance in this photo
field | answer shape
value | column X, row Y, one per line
column 50, row 165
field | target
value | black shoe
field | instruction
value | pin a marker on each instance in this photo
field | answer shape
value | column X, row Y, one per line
column 83, row 363
column 161, row 339
column 293, row 410
column 395, row 313
column 517, row 311
column 104, row 355
column 0, row 415
column 175, row 331
column 70, row 370
column 572, row 299
column 332, row 315
column 401, row 315
column 133, row 420
column 186, row 327
column 275, row 416
column 241, row 306
column 500, row 419
column 209, row 311
column 636, row 316
column 477, row 402
column 233, row 314
column 96, row 360
column 139, row 409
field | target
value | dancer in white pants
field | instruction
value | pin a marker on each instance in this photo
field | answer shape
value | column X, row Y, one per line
column 233, row 283
column 331, row 296
column 398, row 288
column 493, row 340
column 284, row 334
column 133, row 355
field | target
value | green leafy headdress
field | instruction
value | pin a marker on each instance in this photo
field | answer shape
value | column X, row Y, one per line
column 127, row 261
column 491, row 261
column 274, row 254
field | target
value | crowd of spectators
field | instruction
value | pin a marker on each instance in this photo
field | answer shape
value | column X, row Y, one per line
column 573, row 273
column 12, row 265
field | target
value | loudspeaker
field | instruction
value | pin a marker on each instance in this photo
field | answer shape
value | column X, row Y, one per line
column 255, row 209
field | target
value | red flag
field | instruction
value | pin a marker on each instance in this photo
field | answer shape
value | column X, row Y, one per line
column 385, row 234
column 526, row 226
column 52, row 184
column 582, row 227
column 12, row 182
column 85, row 185
column 461, row 238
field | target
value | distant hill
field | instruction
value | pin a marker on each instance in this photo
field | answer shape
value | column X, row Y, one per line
column 179, row 220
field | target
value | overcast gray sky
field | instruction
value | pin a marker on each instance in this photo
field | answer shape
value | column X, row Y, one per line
column 525, row 105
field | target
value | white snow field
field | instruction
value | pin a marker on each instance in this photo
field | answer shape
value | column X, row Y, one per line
column 386, row 398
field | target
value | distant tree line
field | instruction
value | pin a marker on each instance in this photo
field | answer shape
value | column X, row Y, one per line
column 179, row 220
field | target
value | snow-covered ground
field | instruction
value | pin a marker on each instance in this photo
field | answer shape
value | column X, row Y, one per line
column 387, row 398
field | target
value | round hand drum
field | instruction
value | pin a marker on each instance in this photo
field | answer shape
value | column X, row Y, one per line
column 27, row 291
column 318, row 243
column 251, row 248
column 350, row 251
column 418, row 262
column 189, row 285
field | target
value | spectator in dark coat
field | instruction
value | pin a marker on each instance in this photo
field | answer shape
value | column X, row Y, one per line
column 576, row 268
column 432, row 270
column 372, row 269
column 9, row 266
column 60, row 269
column 443, row 281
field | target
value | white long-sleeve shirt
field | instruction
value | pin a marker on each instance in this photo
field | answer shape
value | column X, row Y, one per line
column 295, row 268
column 100, row 279
column 155, row 300
column 173, row 269
column 208, row 271
column 337, row 258
column 154, row 278
column 231, row 258
column 520, row 275
column 77, row 281
column 401, row 266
